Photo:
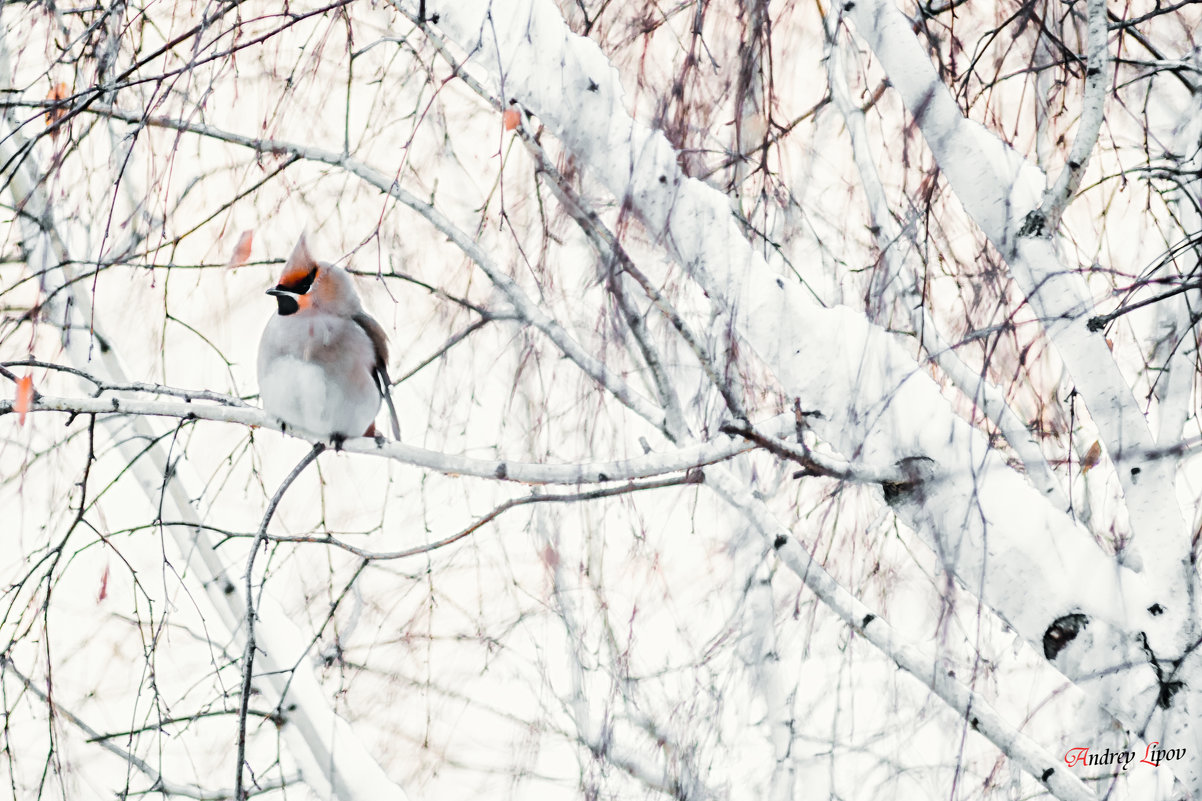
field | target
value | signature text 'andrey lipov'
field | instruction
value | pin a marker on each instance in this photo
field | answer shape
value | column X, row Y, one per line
column 1152, row 756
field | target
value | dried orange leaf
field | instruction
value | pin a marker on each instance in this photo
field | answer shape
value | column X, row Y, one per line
column 1092, row 456
column 242, row 249
column 24, row 399
column 104, row 585
column 511, row 118
column 57, row 93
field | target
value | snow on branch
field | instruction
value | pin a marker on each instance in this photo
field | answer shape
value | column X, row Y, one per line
column 991, row 400
column 1097, row 82
column 983, row 718
column 611, row 251
column 524, row 307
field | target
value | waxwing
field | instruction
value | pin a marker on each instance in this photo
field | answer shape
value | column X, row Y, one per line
column 323, row 360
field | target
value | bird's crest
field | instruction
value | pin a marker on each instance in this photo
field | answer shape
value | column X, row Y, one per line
column 300, row 270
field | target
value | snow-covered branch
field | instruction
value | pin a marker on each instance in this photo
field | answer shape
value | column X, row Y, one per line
column 596, row 322
column 875, row 400
column 890, row 238
column 1034, row 759
column 525, row 308
column 622, row 267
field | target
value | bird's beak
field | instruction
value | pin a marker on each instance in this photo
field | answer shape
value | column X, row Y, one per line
column 287, row 301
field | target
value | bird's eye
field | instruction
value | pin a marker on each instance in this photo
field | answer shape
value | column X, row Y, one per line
column 306, row 283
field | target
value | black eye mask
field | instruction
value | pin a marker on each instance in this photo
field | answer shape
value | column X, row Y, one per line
column 285, row 295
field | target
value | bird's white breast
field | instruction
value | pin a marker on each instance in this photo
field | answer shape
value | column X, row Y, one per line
column 315, row 374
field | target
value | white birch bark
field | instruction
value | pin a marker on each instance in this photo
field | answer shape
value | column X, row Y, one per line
column 1006, row 543
column 998, row 190
column 899, row 258
column 1176, row 384
column 655, row 463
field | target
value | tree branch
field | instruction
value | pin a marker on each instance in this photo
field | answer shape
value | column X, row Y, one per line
column 1097, row 83
column 248, row 654
column 647, row 466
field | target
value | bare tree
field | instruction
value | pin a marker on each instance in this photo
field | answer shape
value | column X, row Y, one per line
column 797, row 401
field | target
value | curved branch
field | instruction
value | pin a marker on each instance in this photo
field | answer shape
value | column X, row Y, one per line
column 998, row 189
column 692, row 477
column 1011, row 741
column 973, row 384
column 248, row 653
column 990, row 526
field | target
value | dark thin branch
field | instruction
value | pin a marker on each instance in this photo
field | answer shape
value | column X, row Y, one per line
column 694, row 476
column 1098, row 322
column 816, row 464
column 248, row 658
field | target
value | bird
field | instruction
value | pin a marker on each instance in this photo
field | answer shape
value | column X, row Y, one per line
column 323, row 360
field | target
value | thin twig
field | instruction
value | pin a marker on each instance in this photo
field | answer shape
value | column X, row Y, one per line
column 1100, row 321
column 248, row 658
column 817, row 464
column 693, row 476
column 158, row 783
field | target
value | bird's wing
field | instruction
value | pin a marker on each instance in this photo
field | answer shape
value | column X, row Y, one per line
column 379, row 372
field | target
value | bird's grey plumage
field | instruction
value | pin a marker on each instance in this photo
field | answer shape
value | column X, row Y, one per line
column 380, row 373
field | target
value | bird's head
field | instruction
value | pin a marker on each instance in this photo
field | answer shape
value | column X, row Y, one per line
column 309, row 284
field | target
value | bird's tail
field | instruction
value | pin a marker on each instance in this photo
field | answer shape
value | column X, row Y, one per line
column 386, row 390
column 396, row 423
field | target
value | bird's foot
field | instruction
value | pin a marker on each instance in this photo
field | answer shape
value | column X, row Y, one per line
column 336, row 440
